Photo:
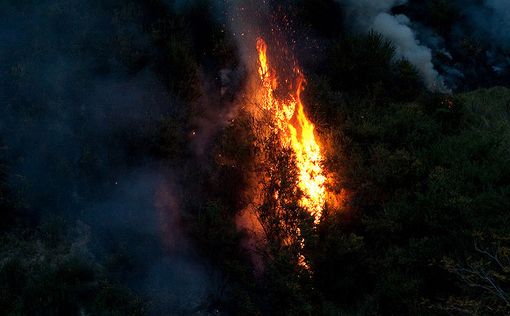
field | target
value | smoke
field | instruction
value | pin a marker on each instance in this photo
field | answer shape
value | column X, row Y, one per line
column 148, row 233
column 362, row 13
column 469, row 39
column 246, row 21
column 397, row 30
column 81, row 103
column 492, row 18
column 366, row 15
column 459, row 45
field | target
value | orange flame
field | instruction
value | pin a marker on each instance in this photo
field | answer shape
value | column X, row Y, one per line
column 296, row 131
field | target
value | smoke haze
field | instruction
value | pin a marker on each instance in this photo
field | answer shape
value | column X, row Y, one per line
column 491, row 17
column 376, row 15
column 468, row 49
column 80, row 106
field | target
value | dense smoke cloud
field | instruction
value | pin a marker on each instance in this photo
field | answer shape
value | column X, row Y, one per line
column 460, row 45
column 376, row 15
column 469, row 39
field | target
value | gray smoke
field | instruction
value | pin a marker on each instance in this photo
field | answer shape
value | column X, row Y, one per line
column 366, row 15
column 472, row 47
column 73, row 117
column 491, row 18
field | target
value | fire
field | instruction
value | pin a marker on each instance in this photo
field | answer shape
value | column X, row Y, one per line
column 296, row 131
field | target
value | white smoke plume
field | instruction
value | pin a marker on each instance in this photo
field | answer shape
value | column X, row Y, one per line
column 366, row 15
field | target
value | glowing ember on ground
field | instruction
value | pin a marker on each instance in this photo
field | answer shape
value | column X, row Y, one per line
column 295, row 131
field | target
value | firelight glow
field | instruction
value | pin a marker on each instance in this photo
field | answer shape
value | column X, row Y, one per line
column 296, row 131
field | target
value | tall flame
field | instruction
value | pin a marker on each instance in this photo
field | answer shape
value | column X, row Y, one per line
column 295, row 131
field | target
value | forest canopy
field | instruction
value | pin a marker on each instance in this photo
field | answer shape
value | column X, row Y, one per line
column 149, row 164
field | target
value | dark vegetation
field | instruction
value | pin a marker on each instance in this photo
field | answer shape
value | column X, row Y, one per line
column 426, row 230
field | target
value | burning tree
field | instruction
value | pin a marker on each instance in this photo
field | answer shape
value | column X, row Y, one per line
column 294, row 131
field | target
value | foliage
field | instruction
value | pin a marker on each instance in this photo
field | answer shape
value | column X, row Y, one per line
column 426, row 176
column 484, row 276
column 53, row 273
column 424, row 229
column 366, row 65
